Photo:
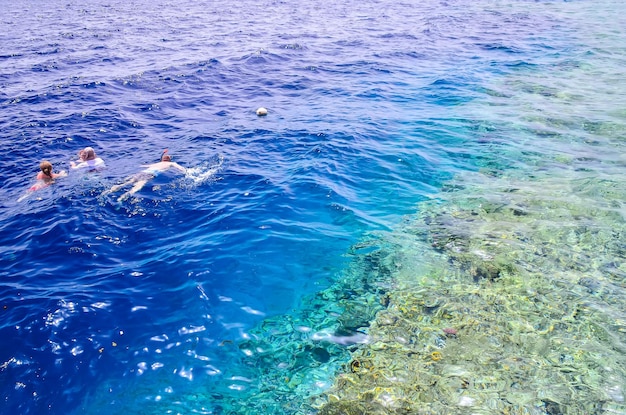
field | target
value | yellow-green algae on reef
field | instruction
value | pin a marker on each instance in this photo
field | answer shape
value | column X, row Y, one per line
column 507, row 303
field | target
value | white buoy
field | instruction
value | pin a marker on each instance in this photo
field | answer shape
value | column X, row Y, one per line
column 261, row 111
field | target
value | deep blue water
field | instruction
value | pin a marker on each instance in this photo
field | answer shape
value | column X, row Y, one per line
column 150, row 305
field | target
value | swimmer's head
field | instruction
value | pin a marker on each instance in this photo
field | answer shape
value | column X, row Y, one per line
column 89, row 153
column 46, row 168
column 165, row 156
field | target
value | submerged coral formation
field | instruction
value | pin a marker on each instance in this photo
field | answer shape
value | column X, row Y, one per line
column 511, row 303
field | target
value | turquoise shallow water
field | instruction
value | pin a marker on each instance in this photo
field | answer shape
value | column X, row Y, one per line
column 399, row 138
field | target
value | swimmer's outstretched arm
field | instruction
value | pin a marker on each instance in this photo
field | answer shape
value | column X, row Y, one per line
column 179, row 167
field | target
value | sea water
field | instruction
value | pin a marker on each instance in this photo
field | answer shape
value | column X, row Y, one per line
column 430, row 217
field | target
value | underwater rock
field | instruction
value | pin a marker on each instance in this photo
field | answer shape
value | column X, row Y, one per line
column 352, row 408
column 486, row 270
column 450, row 332
column 591, row 284
column 551, row 407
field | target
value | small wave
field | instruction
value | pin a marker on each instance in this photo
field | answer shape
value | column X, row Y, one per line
column 205, row 172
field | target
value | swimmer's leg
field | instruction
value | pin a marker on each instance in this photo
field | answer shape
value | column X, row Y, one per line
column 126, row 182
column 123, row 197
column 137, row 187
column 117, row 187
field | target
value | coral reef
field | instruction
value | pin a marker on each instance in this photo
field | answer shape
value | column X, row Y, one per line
column 507, row 303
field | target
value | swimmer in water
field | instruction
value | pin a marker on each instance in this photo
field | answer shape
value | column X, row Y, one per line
column 87, row 160
column 46, row 176
column 140, row 179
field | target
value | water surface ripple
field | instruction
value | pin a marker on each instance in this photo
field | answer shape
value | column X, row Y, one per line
column 409, row 149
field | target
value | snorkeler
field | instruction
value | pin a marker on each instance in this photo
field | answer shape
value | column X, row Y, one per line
column 88, row 160
column 140, row 179
column 46, row 176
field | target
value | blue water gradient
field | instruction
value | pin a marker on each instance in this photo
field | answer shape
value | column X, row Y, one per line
column 147, row 306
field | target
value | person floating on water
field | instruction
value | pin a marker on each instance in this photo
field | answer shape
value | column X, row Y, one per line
column 88, row 160
column 140, row 179
column 46, row 176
